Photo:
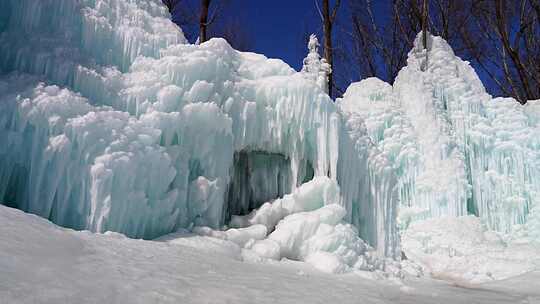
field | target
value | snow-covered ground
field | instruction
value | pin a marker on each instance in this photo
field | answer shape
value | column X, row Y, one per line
column 43, row 263
column 462, row 249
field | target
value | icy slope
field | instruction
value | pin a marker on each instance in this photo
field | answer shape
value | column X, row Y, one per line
column 456, row 150
column 113, row 123
column 43, row 263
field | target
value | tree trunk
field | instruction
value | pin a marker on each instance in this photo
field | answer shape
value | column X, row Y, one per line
column 424, row 23
column 502, row 27
column 203, row 23
column 169, row 4
column 328, row 41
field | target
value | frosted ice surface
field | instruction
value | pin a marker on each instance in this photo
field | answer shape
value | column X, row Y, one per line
column 111, row 121
column 456, row 150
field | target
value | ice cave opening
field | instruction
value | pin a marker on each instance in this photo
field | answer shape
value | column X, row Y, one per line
column 259, row 177
column 11, row 196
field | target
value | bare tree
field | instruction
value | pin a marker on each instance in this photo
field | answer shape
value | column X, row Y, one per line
column 501, row 39
column 203, row 21
column 328, row 18
column 424, row 23
column 169, row 4
column 380, row 44
column 504, row 42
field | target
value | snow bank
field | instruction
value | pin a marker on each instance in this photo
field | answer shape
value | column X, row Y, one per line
column 323, row 240
column 455, row 149
column 124, row 127
column 462, row 249
column 310, row 196
column 44, row 263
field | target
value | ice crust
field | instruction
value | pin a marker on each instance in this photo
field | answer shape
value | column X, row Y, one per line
column 111, row 122
column 456, row 150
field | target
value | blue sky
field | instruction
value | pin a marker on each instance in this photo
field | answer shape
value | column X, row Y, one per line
column 277, row 27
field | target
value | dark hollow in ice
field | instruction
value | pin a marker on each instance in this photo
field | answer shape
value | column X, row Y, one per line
column 259, row 177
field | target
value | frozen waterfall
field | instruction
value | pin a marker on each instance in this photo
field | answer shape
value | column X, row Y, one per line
column 111, row 121
column 456, row 150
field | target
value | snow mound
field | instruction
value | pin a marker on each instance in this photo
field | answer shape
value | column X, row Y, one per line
column 307, row 225
column 322, row 239
column 462, row 249
column 114, row 123
column 44, row 263
column 310, row 196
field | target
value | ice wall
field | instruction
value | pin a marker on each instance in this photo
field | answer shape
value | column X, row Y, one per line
column 112, row 122
column 455, row 149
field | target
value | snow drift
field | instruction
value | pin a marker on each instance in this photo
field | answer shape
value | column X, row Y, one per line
column 111, row 122
column 462, row 249
column 44, row 263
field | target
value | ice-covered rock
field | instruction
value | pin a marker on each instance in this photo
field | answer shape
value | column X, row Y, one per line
column 112, row 122
column 238, row 236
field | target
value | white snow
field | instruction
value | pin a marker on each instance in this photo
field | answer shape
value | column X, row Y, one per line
column 462, row 249
column 310, row 196
column 43, row 263
column 323, row 240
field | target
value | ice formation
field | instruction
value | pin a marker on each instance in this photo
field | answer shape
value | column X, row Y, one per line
column 111, row 122
column 306, row 225
column 315, row 67
column 456, row 150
